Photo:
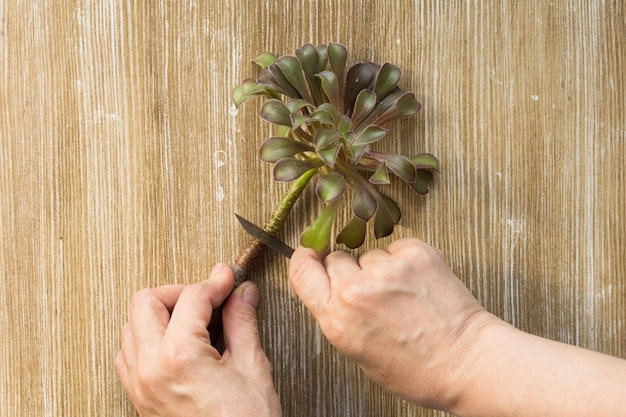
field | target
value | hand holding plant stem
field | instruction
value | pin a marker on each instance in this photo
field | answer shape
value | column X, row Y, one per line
column 329, row 116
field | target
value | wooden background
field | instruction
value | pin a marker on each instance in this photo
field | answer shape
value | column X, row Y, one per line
column 122, row 160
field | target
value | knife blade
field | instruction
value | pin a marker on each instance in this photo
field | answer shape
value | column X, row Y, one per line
column 265, row 237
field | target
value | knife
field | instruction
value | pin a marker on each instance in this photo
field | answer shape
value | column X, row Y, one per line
column 265, row 237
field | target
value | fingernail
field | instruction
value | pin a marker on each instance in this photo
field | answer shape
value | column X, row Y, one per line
column 251, row 295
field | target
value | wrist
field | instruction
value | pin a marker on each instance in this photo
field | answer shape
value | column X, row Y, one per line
column 477, row 347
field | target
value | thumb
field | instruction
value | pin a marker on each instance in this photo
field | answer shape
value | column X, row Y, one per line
column 309, row 278
column 241, row 330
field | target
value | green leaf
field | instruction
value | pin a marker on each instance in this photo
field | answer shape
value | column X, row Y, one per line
column 330, row 86
column 323, row 117
column 329, row 155
column 330, row 187
column 291, row 68
column 288, row 169
column 425, row 161
column 364, row 204
column 422, row 180
column 325, row 138
column 371, row 134
column 265, row 59
column 344, row 125
column 277, row 148
column 404, row 106
column 275, row 111
column 380, row 176
column 388, row 77
column 317, row 236
column 357, row 152
column 249, row 89
column 353, row 234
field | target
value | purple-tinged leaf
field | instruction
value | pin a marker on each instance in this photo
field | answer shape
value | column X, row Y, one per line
column 249, row 89
column 398, row 164
column 297, row 104
column 383, row 223
column 323, row 116
column 276, row 148
column 425, row 161
column 291, row 68
column 330, row 187
column 360, row 76
column 380, row 176
column 322, row 52
column 275, row 111
column 298, row 120
column 353, row 234
column 392, row 207
column 326, row 137
column 422, row 180
column 387, row 79
column 364, row 204
column 357, row 151
column 281, row 79
column 265, row 59
column 329, row 155
column 266, row 78
column 370, row 135
column 330, row 87
column 317, row 236
column 364, row 104
column 310, row 61
column 337, row 56
column 405, row 106
column 344, row 124
column 289, row 169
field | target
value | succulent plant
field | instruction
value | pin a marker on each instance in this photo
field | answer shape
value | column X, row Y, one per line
column 328, row 117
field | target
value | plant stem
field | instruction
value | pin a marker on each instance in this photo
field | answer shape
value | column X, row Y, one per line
column 248, row 255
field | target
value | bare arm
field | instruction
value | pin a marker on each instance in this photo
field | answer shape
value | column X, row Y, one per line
column 412, row 326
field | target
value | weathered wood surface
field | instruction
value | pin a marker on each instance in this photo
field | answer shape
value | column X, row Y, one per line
column 122, row 161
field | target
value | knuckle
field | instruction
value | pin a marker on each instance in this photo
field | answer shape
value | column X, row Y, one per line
column 141, row 298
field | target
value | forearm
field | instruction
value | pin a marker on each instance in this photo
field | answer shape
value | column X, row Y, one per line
column 512, row 373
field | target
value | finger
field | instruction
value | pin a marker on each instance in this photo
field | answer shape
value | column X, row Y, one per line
column 127, row 350
column 340, row 265
column 373, row 257
column 308, row 278
column 192, row 313
column 122, row 370
column 408, row 245
column 150, row 314
column 241, row 331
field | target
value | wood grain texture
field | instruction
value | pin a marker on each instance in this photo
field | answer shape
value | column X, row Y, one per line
column 122, row 160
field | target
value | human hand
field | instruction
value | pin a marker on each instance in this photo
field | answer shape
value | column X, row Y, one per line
column 168, row 366
column 401, row 313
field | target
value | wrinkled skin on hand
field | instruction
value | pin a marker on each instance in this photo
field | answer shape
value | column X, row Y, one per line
column 401, row 313
column 168, row 366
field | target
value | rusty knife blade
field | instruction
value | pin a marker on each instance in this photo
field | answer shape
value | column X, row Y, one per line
column 265, row 237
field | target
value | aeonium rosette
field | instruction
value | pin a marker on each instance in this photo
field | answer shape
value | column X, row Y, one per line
column 328, row 117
